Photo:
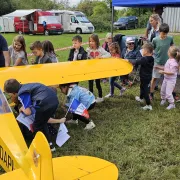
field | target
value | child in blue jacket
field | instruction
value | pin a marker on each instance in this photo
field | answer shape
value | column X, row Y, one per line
column 84, row 96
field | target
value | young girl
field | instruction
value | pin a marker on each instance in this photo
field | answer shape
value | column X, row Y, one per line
column 94, row 52
column 17, row 51
column 49, row 51
column 115, row 52
column 170, row 71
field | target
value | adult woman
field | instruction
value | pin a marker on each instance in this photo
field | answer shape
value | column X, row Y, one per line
column 155, row 22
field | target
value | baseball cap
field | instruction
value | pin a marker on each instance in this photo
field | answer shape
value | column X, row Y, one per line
column 130, row 39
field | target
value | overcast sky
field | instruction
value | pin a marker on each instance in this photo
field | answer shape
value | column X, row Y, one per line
column 74, row 2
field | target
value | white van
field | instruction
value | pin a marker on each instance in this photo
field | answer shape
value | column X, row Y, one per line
column 6, row 24
column 73, row 21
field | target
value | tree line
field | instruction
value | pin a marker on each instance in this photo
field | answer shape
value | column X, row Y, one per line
column 99, row 12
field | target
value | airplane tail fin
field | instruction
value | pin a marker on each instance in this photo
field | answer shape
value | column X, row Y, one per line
column 39, row 158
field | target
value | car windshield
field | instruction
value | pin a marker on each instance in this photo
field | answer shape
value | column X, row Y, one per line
column 48, row 20
column 82, row 19
column 123, row 20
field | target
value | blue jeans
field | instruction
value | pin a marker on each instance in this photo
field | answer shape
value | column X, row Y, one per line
column 113, row 84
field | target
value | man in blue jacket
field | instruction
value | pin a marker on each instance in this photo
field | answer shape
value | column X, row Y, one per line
column 42, row 98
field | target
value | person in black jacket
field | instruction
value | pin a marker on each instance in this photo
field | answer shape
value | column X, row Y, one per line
column 77, row 52
column 147, row 63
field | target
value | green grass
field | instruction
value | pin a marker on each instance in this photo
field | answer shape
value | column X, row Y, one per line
column 143, row 145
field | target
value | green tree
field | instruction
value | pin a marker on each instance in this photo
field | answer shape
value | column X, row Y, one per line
column 34, row 4
column 86, row 6
column 6, row 7
column 101, row 17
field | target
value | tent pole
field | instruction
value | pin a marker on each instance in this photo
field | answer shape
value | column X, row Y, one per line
column 112, row 20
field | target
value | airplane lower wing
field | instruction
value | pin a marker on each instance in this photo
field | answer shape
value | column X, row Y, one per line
column 83, row 168
column 66, row 72
column 16, row 174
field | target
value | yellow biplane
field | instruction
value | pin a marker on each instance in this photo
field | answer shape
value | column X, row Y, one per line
column 36, row 163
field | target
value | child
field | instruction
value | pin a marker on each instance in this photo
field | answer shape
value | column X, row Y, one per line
column 49, row 51
column 147, row 63
column 115, row 52
column 77, row 52
column 17, row 51
column 94, row 52
column 170, row 71
column 131, row 53
column 42, row 98
column 73, row 91
column 37, row 50
column 161, row 45
column 108, row 40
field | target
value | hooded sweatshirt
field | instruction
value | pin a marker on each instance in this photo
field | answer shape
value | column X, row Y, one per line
column 147, row 63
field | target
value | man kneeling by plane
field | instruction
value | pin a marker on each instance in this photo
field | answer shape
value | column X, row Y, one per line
column 42, row 98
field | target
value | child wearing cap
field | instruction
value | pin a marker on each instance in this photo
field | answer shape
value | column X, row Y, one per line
column 131, row 53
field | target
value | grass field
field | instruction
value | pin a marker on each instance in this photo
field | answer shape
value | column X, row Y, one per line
column 143, row 145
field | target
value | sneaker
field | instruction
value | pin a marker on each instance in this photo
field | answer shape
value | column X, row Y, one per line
column 122, row 91
column 53, row 149
column 147, row 107
column 98, row 100
column 108, row 95
column 90, row 125
column 137, row 98
column 163, row 102
column 171, row 106
column 71, row 121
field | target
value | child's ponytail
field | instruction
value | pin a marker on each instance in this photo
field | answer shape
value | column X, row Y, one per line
column 178, row 56
column 174, row 52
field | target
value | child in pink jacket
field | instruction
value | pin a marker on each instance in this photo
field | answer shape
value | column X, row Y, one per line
column 170, row 71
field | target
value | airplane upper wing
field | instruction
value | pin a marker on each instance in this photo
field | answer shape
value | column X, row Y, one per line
column 65, row 72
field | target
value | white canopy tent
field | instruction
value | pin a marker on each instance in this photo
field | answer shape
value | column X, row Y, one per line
column 20, row 13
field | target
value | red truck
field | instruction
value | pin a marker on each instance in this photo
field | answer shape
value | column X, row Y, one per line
column 35, row 22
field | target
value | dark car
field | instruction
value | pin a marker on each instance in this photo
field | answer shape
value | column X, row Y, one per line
column 126, row 22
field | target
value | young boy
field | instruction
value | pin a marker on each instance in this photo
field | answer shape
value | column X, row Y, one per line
column 84, row 96
column 37, row 50
column 147, row 63
column 42, row 98
column 161, row 45
column 77, row 52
